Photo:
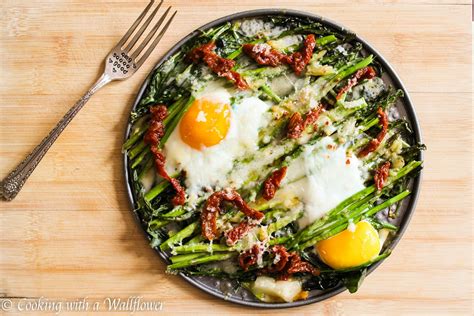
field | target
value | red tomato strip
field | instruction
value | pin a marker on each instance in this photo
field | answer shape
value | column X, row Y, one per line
column 264, row 55
column 212, row 208
column 152, row 137
column 312, row 116
column 300, row 59
column 221, row 66
column 296, row 125
column 273, row 183
column 288, row 263
column 374, row 143
column 381, row 175
column 283, row 258
column 249, row 258
column 238, row 232
column 364, row 73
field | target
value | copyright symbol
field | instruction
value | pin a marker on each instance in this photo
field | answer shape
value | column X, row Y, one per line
column 6, row 305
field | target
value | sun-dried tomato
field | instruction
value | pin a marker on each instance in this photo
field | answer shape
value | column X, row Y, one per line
column 273, row 183
column 236, row 233
column 152, row 137
column 364, row 73
column 288, row 263
column 295, row 126
column 381, row 175
column 156, row 130
column 249, row 258
column 312, row 116
column 370, row 147
column 238, row 80
column 300, row 59
column 198, row 53
column 383, row 121
column 212, row 208
column 264, row 55
column 220, row 65
column 297, row 265
column 282, row 255
column 374, row 143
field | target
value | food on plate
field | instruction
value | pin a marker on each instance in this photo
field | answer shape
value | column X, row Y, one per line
column 270, row 151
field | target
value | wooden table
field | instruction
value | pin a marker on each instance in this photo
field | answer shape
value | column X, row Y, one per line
column 70, row 233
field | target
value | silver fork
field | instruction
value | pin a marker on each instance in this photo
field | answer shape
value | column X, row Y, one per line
column 122, row 62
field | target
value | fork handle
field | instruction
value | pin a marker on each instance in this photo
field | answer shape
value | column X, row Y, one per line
column 12, row 183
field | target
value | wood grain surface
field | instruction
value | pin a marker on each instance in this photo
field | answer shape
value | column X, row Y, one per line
column 70, row 234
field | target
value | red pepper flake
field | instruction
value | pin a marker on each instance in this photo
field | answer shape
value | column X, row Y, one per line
column 264, row 55
column 288, row 264
column 364, row 73
column 381, row 175
column 152, row 137
column 238, row 232
column 220, row 65
column 249, row 258
column 273, row 183
column 348, row 161
column 374, row 143
column 213, row 207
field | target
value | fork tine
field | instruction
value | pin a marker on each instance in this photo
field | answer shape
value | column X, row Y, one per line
column 150, row 35
column 142, row 29
column 135, row 24
column 156, row 41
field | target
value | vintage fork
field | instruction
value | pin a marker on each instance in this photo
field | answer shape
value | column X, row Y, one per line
column 122, row 62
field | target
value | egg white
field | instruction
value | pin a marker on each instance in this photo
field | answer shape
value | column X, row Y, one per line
column 321, row 178
column 208, row 168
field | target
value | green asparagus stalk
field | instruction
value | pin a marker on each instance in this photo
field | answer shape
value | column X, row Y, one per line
column 134, row 138
column 135, row 151
column 200, row 260
column 271, row 94
column 180, row 236
column 187, row 257
column 200, row 248
column 341, row 224
column 175, row 120
column 156, row 190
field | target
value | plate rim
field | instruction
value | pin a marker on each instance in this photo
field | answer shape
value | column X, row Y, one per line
column 397, row 82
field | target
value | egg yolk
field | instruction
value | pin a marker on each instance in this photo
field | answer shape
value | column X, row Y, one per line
column 206, row 123
column 350, row 248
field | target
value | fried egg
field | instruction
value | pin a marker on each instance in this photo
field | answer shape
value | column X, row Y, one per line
column 358, row 244
column 211, row 135
column 320, row 178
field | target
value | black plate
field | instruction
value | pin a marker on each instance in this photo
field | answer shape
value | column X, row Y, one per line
column 405, row 108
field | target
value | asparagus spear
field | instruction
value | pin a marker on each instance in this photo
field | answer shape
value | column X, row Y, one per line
column 180, row 236
column 200, row 260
